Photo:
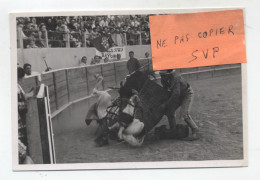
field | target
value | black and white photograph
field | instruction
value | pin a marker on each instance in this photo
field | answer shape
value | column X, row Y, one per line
column 88, row 98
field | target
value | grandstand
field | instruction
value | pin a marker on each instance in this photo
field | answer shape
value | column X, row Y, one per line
column 78, row 31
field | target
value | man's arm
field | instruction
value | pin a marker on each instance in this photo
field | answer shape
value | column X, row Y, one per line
column 175, row 91
column 137, row 64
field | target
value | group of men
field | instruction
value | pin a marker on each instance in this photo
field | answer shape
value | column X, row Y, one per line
column 172, row 81
column 178, row 87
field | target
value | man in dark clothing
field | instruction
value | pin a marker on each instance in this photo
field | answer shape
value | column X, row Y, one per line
column 132, row 64
column 182, row 91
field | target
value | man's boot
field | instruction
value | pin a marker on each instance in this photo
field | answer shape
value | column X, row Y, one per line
column 194, row 129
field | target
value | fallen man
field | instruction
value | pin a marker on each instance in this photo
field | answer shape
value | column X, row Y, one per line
column 98, row 112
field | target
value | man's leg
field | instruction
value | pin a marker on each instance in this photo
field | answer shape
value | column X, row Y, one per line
column 171, row 119
column 185, row 115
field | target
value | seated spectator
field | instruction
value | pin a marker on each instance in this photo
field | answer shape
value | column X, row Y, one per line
column 31, row 44
column 83, row 61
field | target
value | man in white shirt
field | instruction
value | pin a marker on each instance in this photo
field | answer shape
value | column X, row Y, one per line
column 29, row 73
column 83, row 61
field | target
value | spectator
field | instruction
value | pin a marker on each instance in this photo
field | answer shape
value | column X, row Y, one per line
column 20, row 31
column 96, row 60
column 135, row 22
column 72, row 25
column 95, row 33
column 59, row 26
column 34, row 24
column 29, row 73
column 83, row 61
column 63, row 34
column 64, row 21
column 132, row 36
column 106, row 60
column 118, row 38
column 118, row 57
column 23, row 151
column 88, row 35
column 42, row 35
column 31, row 44
column 147, row 55
column 51, row 24
column 132, row 64
column 104, row 22
column 127, row 23
column 27, row 29
column 125, row 29
column 99, row 29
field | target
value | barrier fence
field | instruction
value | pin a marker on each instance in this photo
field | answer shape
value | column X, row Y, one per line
column 68, row 85
column 74, row 85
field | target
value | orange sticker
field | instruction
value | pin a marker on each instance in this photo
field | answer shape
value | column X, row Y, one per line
column 197, row 39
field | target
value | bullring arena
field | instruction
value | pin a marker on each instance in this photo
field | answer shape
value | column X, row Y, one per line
column 217, row 108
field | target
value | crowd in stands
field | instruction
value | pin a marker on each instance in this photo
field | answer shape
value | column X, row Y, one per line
column 78, row 31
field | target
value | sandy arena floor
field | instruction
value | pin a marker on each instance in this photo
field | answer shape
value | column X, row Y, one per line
column 217, row 109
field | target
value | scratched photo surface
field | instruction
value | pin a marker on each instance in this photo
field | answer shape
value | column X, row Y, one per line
column 87, row 93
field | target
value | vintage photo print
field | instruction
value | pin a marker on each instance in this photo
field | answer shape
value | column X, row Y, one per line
column 85, row 96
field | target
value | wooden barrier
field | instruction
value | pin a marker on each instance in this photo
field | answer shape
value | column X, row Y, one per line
column 91, row 80
column 61, row 88
column 120, row 71
column 108, row 72
column 33, row 131
column 77, row 83
column 48, row 80
column 68, row 85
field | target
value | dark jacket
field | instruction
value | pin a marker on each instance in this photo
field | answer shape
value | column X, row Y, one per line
column 133, row 65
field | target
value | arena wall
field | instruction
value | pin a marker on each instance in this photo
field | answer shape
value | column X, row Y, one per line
column 58, row 58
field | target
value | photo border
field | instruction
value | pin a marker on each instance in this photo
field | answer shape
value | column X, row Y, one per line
column 118, row 165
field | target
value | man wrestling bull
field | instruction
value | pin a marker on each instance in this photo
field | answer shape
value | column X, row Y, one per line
column 180, row 89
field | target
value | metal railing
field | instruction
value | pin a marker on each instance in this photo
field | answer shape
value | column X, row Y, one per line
column 53, row 39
